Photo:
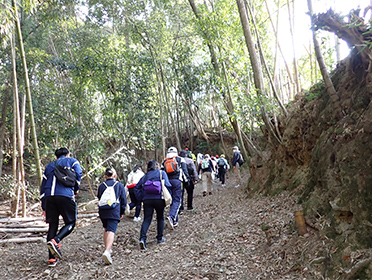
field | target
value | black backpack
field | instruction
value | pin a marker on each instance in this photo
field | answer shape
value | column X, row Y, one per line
column 65, row 175
column 240, row 160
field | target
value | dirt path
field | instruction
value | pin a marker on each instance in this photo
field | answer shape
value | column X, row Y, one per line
column 223, row 238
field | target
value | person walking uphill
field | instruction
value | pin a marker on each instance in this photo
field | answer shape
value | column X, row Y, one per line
column 176, row 169
column 111, row 207
column 59, row 200
column 189, row 186
column 223, row 167
column 148, row 190
column 133, row 179
column 206, row 167
column 237, row 163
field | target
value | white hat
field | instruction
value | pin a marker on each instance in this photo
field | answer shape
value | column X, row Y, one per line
column 235, row 148
column 172, row 150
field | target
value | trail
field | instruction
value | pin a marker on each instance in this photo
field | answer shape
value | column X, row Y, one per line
column 226, row 236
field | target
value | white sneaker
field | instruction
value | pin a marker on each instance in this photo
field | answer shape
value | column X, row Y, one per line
column 106, row 257
column 237, row 186
column 127, row 210
column 136, row 219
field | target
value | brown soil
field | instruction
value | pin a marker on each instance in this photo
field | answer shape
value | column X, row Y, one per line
column 227, row 236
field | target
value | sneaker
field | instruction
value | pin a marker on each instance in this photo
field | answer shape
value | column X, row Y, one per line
column 106, row 257
column 210, row 193
column 127, row 210
column 204, row 193
column 170, row 223
column 52, row 262
column 161, row 240
column 175, row 224
column 142, row 244
column 237, row 186
column 190, row 208
column 180, row 212
column 136, row 219
column 223, row 185
column 54, row 248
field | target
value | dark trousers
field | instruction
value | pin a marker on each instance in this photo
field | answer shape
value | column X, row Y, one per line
column 189, row 187
column 54, row 207
column 134, row 202
column 222, row 174
column 149, row 206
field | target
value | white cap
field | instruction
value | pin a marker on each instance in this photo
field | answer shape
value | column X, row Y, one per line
column 172, row 150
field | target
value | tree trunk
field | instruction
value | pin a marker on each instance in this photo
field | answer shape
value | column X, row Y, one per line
column 28, row 94
column 291, row 23
column 323, row 69
column 257, row 71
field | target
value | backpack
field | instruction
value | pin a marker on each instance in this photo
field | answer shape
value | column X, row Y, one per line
column 108, row 199
column 65, row 175
column 171, row 165
column 240, row 160
column 205, row 163
column 152, row 187
column 221, row 163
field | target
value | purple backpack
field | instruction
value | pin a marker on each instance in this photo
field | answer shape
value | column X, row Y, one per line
column 151, row 187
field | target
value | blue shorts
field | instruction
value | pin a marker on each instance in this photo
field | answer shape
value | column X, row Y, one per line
column 110, row 225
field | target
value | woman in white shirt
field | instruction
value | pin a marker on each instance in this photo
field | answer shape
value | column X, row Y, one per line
column 133, row 178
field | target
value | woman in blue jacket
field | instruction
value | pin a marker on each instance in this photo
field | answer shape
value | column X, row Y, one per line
column 109, row 215
column 146, row 191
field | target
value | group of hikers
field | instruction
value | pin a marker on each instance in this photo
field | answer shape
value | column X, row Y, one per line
column 177, row 173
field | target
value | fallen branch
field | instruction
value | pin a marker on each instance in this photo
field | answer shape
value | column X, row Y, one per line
column 23, row 240
column 17, row 230
column 357, row 267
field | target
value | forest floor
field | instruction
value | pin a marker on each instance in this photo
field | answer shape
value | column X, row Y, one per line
column 226, row 236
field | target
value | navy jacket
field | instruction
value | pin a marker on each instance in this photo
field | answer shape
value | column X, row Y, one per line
column 183, row 174
column 114, row 213
column 152, row 175
column 50, row 185
column 209, row 169
column 235, row 158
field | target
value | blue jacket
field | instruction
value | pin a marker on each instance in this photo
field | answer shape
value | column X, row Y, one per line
column 50, row 185
column 152, row 175
column 114, row 213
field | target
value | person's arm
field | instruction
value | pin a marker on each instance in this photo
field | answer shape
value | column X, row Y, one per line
column 123, row 200
column 76, row 166
column 138, row 189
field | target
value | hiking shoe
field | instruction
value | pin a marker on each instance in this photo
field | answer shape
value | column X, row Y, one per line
column 190, row 208
column 161, row 240
column 175, row 224
column 52, row 262
column 180, row 212
column 54, row 248
column 106, row 257
column 127, row 210
column 170, row 223
column 204, row 193
column 136, row 219
column 142, row 244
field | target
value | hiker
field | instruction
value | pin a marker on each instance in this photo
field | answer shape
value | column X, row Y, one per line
column 223, row 167
column 58, row 200
column 190, row 154
column 214, row 172
column 133, row 178
column 206, row 168
column 237, row 163
column 176, row 169
column 189, row 186
column 199, row 157
column 111, row 207
column 148, row 190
